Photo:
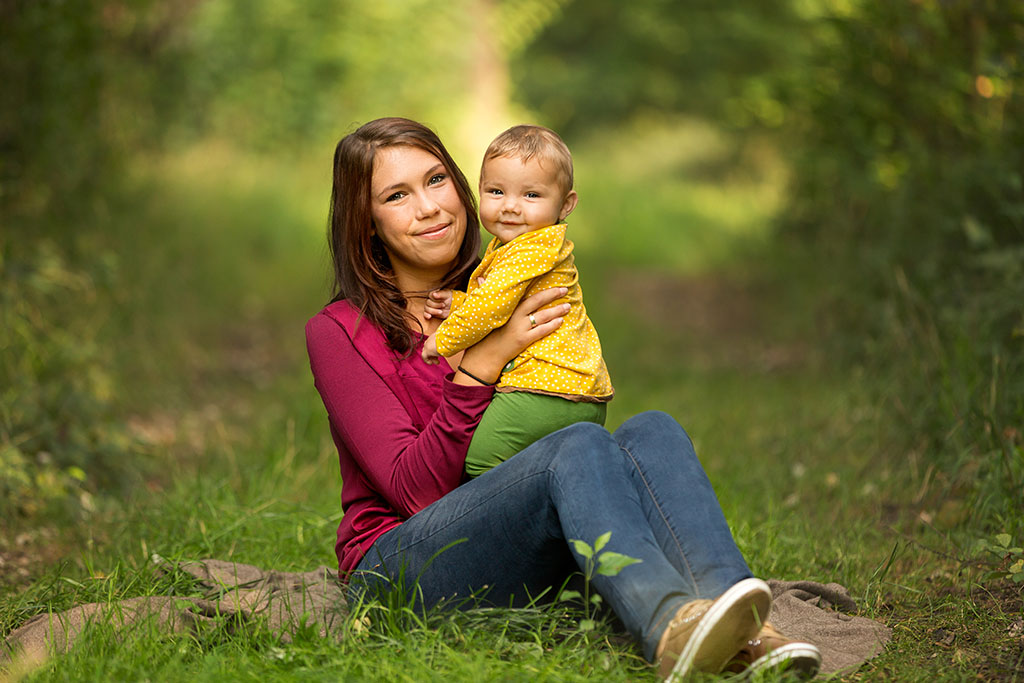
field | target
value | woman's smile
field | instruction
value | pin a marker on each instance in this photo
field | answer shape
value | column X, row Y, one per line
column 435, row 232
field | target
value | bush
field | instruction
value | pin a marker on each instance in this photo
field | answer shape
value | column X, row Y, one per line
column 58, row 438
column 908, row 186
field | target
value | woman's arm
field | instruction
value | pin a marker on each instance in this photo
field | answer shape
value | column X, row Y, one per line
column 409, row 467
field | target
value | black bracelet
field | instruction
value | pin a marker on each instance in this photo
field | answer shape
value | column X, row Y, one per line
column 475, row 378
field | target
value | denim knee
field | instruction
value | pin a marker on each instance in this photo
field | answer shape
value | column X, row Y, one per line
column 653, row 423
column 581, row 441
column 585, row 430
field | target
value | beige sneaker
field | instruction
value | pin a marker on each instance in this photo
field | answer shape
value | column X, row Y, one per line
column 704, row 635
column 772, row 650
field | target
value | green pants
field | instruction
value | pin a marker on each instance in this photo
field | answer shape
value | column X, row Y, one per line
column 515, row 420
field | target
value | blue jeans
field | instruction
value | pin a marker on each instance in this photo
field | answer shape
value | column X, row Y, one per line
column 643, row 483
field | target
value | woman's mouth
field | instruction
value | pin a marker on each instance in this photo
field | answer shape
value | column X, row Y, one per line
column 435, row 232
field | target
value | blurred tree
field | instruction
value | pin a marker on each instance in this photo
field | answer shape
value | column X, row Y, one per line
column 279, row 75
column 908, row 157
column 601, row 62
column 84, row 83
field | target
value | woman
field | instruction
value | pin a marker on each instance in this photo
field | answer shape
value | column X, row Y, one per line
column 403, row 223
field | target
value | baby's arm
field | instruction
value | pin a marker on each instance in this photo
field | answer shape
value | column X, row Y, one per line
column 429, row 353
column 439, row 304
column 490, row 305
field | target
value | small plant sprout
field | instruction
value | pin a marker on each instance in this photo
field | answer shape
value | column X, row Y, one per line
column 1011, row 558
column 607, row 563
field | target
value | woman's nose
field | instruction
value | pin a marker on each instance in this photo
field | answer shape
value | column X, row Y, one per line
column 425, row 205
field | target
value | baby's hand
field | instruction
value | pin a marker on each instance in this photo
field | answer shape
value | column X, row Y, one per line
column 430, row 355
column 439, row 304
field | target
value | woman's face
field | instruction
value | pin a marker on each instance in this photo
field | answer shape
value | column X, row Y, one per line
column 416, row 213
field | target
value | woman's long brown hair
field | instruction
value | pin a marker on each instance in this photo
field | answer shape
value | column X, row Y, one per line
column 362, row 270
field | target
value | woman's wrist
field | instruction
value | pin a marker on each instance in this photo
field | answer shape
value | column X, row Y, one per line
column 475, row 377
column 477, row 366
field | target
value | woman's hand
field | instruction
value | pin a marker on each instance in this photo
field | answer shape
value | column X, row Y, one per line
column 530, row 322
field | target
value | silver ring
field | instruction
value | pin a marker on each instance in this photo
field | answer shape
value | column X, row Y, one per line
column 533, row 321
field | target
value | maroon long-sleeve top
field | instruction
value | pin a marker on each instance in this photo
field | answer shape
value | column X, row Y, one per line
column 401, row 427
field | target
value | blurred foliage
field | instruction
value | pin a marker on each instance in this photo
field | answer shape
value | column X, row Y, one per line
column 58, row 435
column 605, row 61
column 84, row 84
column 278, row 75
column 907, row 185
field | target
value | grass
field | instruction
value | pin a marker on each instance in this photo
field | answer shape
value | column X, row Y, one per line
column 812, row 473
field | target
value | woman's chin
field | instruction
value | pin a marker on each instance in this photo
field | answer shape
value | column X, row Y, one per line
column 438, row 254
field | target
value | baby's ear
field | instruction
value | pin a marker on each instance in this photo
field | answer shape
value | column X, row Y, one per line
column 568, row 205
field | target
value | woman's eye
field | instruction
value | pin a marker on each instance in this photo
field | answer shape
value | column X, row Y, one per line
column 395, row 196
column 436, row 178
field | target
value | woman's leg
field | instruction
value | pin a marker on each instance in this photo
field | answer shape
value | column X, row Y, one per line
column 680, row 504
column 509, row 527
column 668, row 514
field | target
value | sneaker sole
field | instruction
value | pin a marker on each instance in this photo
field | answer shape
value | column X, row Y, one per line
column 733, row 619
column 802, row 659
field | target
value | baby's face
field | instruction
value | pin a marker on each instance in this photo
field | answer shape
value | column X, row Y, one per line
column 519, row 196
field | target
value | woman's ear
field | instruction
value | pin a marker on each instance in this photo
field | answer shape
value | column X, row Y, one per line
column 568, row 205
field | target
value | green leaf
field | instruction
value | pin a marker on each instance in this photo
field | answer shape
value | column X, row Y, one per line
column 582, row 548
column 587, row 624
column 602, row 541
column 183, row 604
column 569, row 595
column 1003, row 540
column 610, row 563
column 596, row 599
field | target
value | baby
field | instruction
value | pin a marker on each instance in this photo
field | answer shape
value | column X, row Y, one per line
column 525, row 195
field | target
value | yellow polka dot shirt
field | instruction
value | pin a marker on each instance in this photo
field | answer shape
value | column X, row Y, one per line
column 565, row 363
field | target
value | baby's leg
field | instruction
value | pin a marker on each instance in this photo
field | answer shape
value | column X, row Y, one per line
column 515, row 420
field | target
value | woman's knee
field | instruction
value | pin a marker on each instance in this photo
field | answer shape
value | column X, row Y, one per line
column 586, row 430
column 583, row 440
column 653, row 424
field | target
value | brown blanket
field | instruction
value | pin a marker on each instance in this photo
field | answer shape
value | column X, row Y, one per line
column 805, row 610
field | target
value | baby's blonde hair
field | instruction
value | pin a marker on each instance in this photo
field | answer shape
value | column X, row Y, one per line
column 525, row 142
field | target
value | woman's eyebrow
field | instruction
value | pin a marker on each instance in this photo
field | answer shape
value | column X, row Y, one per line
column 433, row 169
column 386, row 191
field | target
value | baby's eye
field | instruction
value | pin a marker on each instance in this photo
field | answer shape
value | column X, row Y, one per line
column 533, row 195
column 494, row 191
column 436, row 178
